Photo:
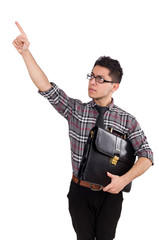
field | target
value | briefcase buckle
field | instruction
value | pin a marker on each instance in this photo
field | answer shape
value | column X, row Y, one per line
column 92, row 132
column 114, row 160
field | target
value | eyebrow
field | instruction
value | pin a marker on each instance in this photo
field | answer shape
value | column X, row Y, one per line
column 98, row 75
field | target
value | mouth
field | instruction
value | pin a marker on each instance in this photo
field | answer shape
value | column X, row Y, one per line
column 92, row 90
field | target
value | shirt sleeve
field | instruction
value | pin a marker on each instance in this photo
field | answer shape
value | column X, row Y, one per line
column 139, row 141
column 60, row 101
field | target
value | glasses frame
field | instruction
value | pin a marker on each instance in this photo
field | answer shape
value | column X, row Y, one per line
column 91, row 76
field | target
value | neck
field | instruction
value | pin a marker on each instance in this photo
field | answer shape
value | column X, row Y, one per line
column 103, row 102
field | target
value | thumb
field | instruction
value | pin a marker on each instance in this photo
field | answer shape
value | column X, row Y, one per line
column 110, row 175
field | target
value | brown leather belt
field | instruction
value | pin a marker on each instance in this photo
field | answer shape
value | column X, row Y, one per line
column 92, row 186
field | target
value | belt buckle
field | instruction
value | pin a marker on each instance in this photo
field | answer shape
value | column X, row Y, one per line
column 96, row 190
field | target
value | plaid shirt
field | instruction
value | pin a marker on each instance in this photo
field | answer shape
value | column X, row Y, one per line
column 82, row 117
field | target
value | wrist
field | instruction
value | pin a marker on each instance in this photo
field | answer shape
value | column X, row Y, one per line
column 126, row 179
column 25, row 52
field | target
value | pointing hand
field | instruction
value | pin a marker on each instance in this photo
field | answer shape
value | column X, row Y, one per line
column 21, row 43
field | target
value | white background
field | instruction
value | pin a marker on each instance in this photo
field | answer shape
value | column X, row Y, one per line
column 35, row 164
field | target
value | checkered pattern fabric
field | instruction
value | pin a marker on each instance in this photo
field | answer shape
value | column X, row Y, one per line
column 82, row 117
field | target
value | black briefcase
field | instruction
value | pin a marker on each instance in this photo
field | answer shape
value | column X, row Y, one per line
column 105, row 152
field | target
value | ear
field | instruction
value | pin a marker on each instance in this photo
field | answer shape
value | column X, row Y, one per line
column 115, row 87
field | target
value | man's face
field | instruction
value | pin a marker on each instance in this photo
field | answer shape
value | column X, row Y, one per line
column 101, row 92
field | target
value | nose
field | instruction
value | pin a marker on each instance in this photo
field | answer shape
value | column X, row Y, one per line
column 92, row 80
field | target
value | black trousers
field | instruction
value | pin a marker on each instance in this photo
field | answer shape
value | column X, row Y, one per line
column 94, row 214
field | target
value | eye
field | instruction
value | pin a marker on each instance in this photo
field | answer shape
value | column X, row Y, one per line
column 100, row 79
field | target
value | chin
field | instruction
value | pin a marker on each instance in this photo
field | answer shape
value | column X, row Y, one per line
column 91, row 95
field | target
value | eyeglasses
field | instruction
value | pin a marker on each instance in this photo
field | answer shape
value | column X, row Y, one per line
column 98, row 79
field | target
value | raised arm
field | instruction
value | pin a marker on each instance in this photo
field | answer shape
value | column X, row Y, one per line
column 38, row 77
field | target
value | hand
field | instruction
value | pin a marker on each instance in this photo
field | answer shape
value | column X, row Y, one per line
column 116, row 184
column 21, row 43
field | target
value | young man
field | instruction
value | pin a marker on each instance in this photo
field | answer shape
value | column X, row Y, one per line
column 95, row 214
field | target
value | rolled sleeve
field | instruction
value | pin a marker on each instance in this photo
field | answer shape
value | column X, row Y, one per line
column 59, row 100
column 49, row 92
column 139, row 141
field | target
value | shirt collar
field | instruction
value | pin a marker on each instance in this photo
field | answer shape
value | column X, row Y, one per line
column 110, row 106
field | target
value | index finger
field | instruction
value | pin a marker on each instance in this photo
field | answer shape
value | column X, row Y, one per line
column 107, row 188
column 20, row 28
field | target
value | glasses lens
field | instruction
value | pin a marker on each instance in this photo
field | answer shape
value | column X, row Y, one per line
column 89, row 76
column 99, row 79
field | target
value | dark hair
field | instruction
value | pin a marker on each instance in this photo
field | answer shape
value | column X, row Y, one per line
column 114, row 67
